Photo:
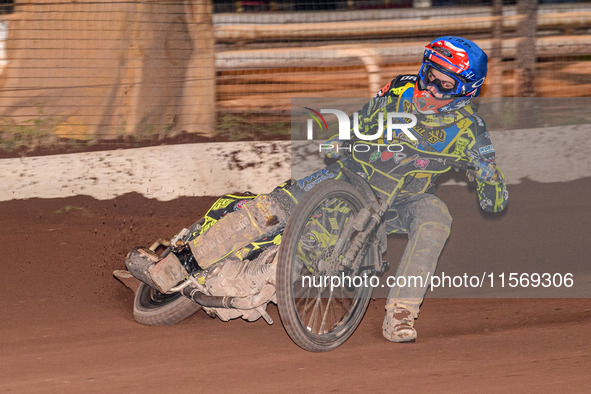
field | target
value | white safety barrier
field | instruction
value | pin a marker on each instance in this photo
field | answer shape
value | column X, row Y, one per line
column 556, row 154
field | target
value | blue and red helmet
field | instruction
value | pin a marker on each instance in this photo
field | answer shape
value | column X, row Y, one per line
column 458, row 58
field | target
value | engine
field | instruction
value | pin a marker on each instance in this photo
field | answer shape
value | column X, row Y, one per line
column 251, row 280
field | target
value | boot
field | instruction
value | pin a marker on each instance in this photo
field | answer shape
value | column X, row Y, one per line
column 162, row 274
column 399, row 325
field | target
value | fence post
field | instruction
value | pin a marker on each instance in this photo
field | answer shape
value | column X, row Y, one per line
column 526, row 53
column 496, row 56
column 198, row 100
column 526, row 63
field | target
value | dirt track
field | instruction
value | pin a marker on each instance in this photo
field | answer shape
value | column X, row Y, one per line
column 67, row 324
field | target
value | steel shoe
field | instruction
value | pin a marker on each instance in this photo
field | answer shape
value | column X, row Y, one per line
column 162, row 274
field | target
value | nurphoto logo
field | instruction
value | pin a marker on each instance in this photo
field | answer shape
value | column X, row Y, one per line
column 394, row 122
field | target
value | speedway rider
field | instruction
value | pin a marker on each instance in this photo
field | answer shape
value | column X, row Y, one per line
column 440, row 96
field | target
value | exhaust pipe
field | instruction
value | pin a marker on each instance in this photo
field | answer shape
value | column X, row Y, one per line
column 230, row 302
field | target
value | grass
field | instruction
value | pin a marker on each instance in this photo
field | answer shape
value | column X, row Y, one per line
column 31, row 133
column 41, row 133
column 244, row 126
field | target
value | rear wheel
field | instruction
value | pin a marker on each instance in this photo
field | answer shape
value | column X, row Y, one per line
column 318, row 313
column 156, row 309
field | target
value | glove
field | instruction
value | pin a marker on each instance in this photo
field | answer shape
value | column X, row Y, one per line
column 332, row 149
column 486, row 172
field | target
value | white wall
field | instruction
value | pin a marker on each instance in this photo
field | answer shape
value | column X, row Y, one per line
column 557, row 154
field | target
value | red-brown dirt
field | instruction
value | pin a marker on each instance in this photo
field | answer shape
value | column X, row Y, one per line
column 67, row 324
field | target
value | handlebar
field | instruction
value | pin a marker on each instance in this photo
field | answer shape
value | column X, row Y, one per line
column 486, row 175
column 461, row 165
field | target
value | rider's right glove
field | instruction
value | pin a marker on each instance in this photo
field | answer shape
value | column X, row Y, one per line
column 486, row 172
column 333, row 148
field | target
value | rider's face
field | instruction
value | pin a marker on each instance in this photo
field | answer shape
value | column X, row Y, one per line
column 445, row 81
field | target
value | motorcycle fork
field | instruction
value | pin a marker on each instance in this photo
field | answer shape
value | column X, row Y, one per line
column 368, row 222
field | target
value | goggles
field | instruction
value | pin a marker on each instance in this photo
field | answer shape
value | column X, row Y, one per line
column 452, row 86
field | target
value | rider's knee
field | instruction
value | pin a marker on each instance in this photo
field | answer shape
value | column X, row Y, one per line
column 432, row 216
column 282, row 201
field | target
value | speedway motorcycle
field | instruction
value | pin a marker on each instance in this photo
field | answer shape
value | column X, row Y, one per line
column 336, row 230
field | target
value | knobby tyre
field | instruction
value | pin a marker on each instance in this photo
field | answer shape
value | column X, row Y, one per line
column 320, row 318
column 153, row 308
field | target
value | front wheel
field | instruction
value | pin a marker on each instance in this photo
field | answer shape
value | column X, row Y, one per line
column 318, row 313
